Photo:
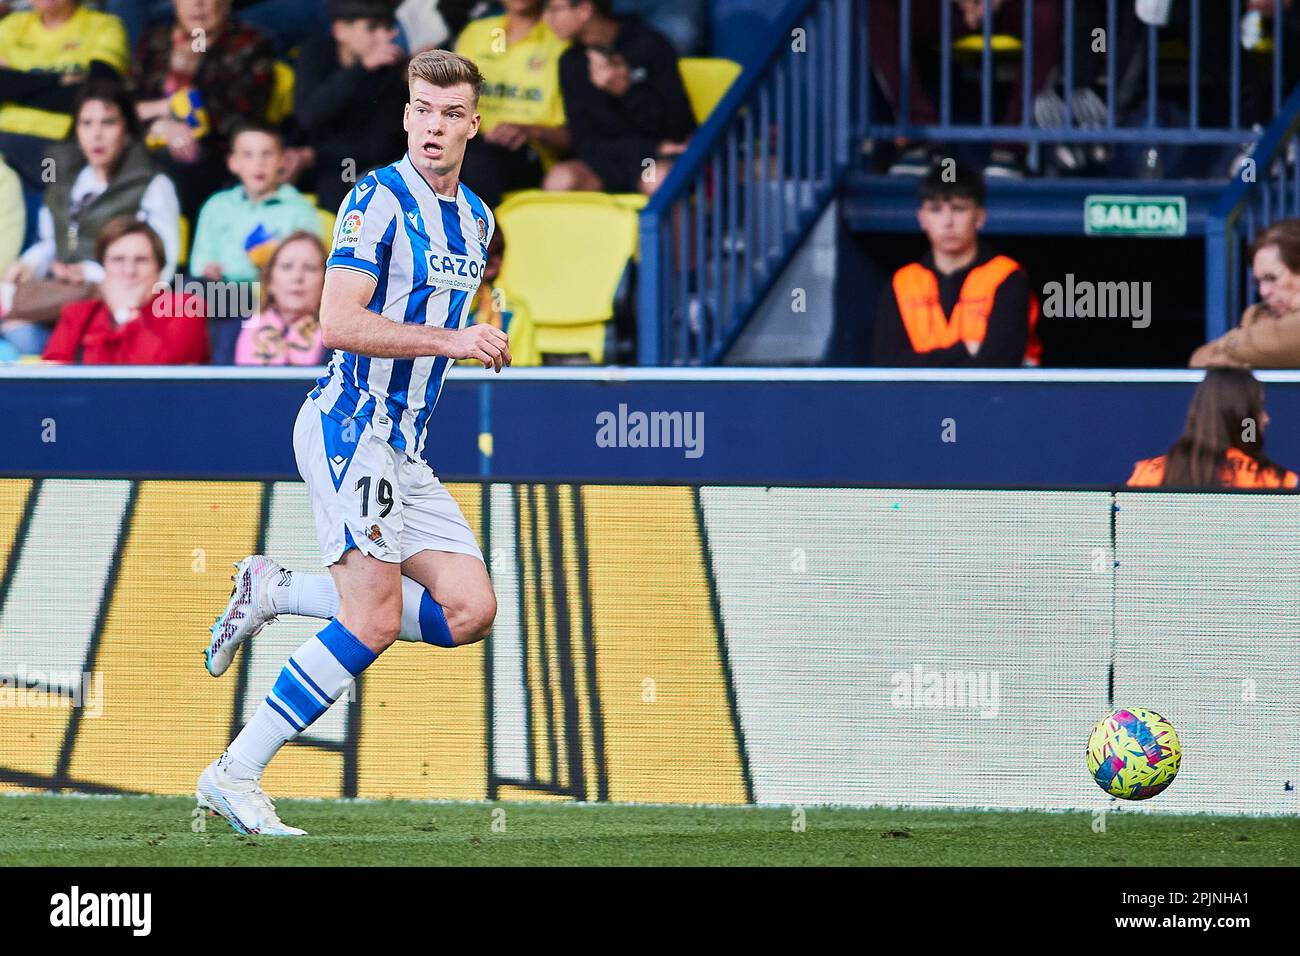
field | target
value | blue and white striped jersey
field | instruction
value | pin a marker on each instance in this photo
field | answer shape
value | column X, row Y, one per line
column 426, row 253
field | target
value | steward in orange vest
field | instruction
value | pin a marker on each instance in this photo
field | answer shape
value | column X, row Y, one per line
column 926, row 318
column 1239, row 470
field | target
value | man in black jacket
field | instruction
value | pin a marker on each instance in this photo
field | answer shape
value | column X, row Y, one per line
column 349, row 85
column 627, row 109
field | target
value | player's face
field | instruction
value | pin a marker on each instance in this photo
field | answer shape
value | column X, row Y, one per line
column 101, row 133
column 951, row 225
column 297, row 279
column 439, row 121
column 1279, row 287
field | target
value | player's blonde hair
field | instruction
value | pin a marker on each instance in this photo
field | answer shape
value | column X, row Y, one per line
column 444, row 68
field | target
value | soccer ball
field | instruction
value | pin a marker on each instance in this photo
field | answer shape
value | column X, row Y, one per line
column 1133, row 754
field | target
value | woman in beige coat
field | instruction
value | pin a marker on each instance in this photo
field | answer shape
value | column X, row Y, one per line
column 1269, row 333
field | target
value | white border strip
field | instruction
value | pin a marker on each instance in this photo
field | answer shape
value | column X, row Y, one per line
column 617, row 375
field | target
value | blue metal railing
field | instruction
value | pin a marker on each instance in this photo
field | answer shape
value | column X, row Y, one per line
column 763, row 167
column 1209, row 23
column 760, row 171
column 1266, row 188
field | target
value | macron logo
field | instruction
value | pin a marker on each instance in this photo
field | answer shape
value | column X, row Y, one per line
column 338, row 465
column 73, row 909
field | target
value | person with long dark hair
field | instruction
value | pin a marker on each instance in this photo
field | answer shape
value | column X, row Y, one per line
column 1222, row 445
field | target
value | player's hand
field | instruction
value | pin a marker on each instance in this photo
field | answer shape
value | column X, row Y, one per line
column 485, row 344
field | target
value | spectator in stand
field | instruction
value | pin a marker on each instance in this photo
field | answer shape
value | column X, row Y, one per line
column 1007, row 159
column 286, row 329
column 521, row 107
column 13, row 216
column 135, row 320
column 681, row 21
column 105, row 172
column 1222, row 445
column 1269, row 333
column 963, row 304
column 194, row 94
column 349, row 86
column 623, row 97
column 239, row 227
column 46, row 54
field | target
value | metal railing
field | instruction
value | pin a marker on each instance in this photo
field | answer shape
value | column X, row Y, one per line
column 1133, row 63
column 760, row 171
column 1266, row 188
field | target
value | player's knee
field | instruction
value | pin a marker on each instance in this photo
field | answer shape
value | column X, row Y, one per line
column 378, row 627
column 474, row 620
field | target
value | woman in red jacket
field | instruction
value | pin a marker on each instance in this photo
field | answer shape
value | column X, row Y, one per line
column 135, row 320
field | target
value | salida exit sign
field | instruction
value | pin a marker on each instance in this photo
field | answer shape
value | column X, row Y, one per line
column 1135, row 216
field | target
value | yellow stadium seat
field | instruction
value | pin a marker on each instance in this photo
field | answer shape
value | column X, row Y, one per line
column 707, row 80
column 565, row 255
column 1000, row 43
column 280, row 105
column 326, row 225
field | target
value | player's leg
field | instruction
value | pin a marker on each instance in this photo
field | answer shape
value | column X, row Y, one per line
column 359, row 541
column 457, row 602
column 263, row 590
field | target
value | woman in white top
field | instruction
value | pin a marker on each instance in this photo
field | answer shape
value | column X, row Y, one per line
column 100, row 172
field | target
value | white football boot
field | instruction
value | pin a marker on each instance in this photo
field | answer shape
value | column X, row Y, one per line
column 242, row 802
column 247, row 612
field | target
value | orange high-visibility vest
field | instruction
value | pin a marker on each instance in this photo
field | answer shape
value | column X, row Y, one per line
column 1239, row 471
column 917, row 290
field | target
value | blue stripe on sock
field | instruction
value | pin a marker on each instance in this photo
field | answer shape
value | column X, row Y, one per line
column 290, row 690
column 347, row 650
column 287, row 719
column 433, row 622
column 307, row 678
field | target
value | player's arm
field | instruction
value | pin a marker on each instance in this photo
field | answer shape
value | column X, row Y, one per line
column 347, row 324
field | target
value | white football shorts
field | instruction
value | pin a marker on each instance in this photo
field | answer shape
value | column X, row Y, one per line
column 366, row 494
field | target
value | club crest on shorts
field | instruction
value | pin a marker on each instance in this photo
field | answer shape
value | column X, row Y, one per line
column 374, row 535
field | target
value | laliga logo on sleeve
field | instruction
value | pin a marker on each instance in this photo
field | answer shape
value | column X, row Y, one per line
column 350, row 230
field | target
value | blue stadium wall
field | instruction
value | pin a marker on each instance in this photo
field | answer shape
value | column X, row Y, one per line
column 945, row 429
column 667, row 635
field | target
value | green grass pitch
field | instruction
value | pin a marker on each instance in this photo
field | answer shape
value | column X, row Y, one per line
column 51, row 830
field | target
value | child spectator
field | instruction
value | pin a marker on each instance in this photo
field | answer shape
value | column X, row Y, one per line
column 286, row 330
column 239, row 226
column 623, row 97
column 962, row 304
column 1222, row 445
column 46, row 53
column 521, row 107
column 134, row 320
column 349, row 85
column 194, row 95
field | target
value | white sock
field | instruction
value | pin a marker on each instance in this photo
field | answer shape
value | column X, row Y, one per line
column 314, row 595
column 316, row 675
column 311, row 595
